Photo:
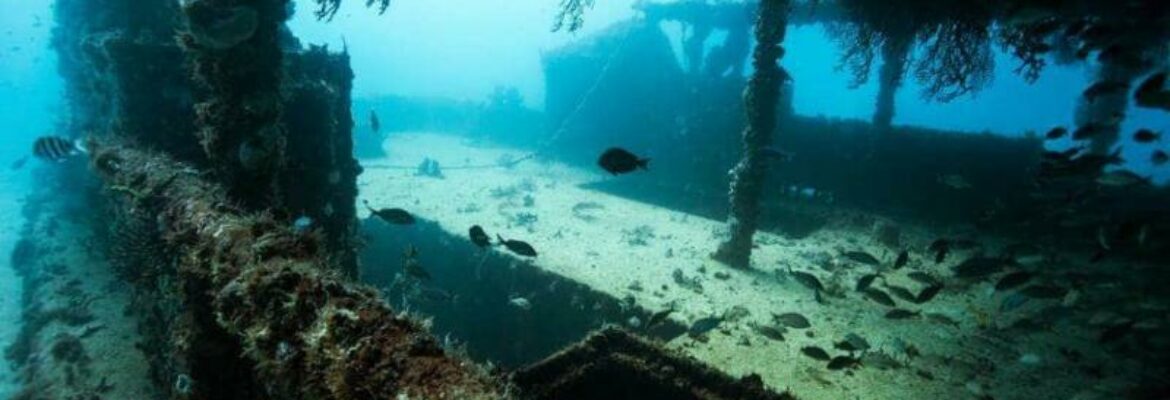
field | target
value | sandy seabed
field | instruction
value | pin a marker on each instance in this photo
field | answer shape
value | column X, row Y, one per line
column 660, row 258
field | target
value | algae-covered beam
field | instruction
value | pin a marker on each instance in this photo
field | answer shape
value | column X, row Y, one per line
column 310, row 333
column 760, row 99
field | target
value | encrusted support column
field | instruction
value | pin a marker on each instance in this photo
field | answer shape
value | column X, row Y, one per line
column 310, row 333
column 760, row 100
column 894, row 53
column 234, row 48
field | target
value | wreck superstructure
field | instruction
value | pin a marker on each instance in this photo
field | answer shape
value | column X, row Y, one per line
column 205, row 146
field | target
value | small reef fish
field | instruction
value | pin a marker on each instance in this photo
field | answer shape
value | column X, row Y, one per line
column 1153, row 93
column 516, row 246
column 862, row 257
column 396, row 216
column 880, row 297
column 375, row 123
column 703, row 325
column 1121, row 178
column 521, row 303
column 815, row 352
column 902, row 293
column 1159, row 158
column 658, row 318
column 929, row 293
column 618, row 161
column 922, row 277
column 940, row 248
column 980, row 266
column 19, row 163
column 954, row 181
column 901, row 313
column 1056, row 133
column 479, row 237
column 302, row 223
column 1013, row 280
column 1089, row 131
column 769, row 331
column 437, row 295
column 807, row 280
column 1146, row 136
column 792, row 320
column 842, row 362
column 55, row 148
column 1045, row 292
column 1115, row 332
column 1103, row 88
column 866, row 281
column 411, row 266
column 903, row 258
column 852, row 343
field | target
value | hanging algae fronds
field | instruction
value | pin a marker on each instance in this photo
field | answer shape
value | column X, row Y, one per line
column 760, row 99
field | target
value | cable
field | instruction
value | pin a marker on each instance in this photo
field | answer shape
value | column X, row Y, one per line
column 560, row 128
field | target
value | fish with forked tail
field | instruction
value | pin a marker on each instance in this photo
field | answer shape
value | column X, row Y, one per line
column 619, row 161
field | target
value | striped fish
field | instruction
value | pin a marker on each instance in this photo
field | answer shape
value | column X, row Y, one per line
column 55, row 148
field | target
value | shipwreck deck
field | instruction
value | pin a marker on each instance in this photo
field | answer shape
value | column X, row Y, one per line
column 657, row 258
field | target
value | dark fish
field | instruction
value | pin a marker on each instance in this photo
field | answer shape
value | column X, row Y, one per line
column 922, row 277
column 1115, row 332
column 1159, row 157
column 479, row 237
column 980, row 266
column 1098, row 256
column 928, row 294
column 902, row 293
column 880, row 297
column 1013, row 280
column 807, row 280
column 901, row 313
column 411, row 266
column 518, row 247
column 437, row 295
column 940, row 248
column 903, row 258
column 395, row 216
column 1103, row 88
column 865, row 281
column 1089, row 131
column 1153, row 92
column 769, row 331
column 619, row 161
column 842, row 362
column 55, row 148
column 1044, row 291
column 852, row 343
column 704, row 325
column 942, row 319
column 792, row 320
column 1012, row 302
column 19, row 163
column 815, row 352
column 1146, row 136
column 862, row 257
column 1056, row 133
column 658, row 318
column 375, row 124
column 1122, row 178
